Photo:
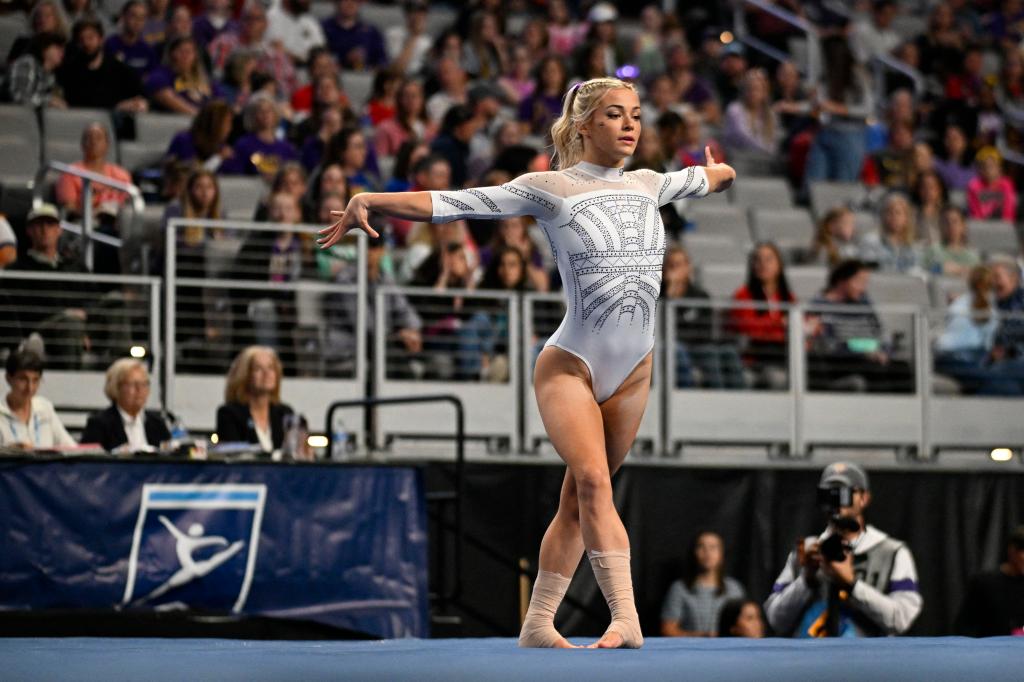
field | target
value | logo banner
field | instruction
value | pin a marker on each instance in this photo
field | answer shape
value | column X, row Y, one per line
column 346, row 546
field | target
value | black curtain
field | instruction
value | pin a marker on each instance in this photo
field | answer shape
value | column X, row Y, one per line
column 954, row 523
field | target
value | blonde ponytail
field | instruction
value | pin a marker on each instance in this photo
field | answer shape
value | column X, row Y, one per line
column 579, row 105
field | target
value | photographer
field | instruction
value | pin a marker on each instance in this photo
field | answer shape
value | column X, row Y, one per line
column 851, row 581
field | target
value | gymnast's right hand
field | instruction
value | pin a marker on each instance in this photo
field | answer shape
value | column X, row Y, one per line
column 355, row 216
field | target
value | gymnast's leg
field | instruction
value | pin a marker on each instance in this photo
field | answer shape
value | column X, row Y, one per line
column 594, row 441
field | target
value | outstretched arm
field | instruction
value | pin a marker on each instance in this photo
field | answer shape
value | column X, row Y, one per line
column 406, row 205
column 720, row 175
column 516, row 198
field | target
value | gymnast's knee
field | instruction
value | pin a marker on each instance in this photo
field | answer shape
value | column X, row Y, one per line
column 593, row 486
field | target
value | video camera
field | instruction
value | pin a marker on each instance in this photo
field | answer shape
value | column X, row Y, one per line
column 832, row 499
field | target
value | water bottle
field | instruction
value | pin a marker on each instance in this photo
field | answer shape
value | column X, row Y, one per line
column 178, row 431
column 339, row 442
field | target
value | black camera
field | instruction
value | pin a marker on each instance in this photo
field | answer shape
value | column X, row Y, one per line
column 834, row 498
column 834, row 548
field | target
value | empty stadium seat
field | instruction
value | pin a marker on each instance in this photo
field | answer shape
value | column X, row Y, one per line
column 382, row 16
column 720, row 220
column 762, row 193
column 944, row 289
column 240, row 193
column 65, row 151
column 899, row 289
column 806, row 281
column 19, row 139
column 826, row 195
column 357, row 85
column 789, row 228
column 993, row 236
column 713, row 249
column 721, row 280
column 156, row 130
column 135, row 156
column 12, row 26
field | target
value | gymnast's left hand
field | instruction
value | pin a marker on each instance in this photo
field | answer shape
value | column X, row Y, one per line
column 355, row 217
column 720, row 175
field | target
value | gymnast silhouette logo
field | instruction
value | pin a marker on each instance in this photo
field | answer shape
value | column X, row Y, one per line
column 194, row 546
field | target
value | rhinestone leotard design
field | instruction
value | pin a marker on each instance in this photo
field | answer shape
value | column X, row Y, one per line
column 608, row 240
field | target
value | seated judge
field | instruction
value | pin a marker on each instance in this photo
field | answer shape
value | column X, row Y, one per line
column 252, row 411
column 126, row 426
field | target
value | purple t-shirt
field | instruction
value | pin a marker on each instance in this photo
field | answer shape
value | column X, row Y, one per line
column 182, row 148
column 139, row 55
column 312, row 152
column 273, row 154
column 341, row 41
column 698, row 93
column 203, row 30
column 162, row 77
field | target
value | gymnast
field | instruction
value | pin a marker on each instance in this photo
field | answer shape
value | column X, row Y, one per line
column 594, row 374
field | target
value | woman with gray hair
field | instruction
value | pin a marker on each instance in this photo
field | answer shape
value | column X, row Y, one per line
column 126, row 426
column 260, row 151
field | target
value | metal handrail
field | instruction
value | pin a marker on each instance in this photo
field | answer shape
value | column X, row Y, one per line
column 138, row 204
column 809, row 29
column 455, row 496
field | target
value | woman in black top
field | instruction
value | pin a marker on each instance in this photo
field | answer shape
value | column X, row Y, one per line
column 252, row 411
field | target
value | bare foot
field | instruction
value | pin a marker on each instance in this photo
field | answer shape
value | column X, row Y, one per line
column 610, row 640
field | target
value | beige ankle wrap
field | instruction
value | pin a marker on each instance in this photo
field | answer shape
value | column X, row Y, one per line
column 539, row 624
column 613, row 575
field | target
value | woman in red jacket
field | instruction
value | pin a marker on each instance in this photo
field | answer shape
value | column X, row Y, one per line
column 759, row 316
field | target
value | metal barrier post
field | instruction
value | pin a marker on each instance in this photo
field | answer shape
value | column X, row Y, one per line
column 797, row 380
column 923, row 367
column 87, row 254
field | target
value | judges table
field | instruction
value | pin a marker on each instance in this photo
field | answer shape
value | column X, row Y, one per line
column 341, row 545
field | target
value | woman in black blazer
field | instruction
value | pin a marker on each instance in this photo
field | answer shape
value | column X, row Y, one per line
column 127, row 386
column 252, row 411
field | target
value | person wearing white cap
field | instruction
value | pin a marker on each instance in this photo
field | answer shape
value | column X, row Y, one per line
column 851, row 581
column 593, row 377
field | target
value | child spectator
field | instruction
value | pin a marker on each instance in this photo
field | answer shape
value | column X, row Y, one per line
column 991, row 194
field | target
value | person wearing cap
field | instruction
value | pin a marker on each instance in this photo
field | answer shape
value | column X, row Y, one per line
column 42, row 226
column 871, row 592
column 994, row 603
column 990, row 194
column 39, row 304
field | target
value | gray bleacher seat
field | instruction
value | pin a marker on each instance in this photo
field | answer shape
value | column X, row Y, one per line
column 721, row 280
column 65, row 151
column 240, row 193
column 722, row 220
column 66, row 126
column 865, row 222
column 382, row 16
column 899, row 289
column 357, row 85
column 958, row 197
column 19, row 139
column 322, row 9
column 714, row 249
column 135, row 155
column 944, row 289
column 993, row 236
column 826, row 195
column 753, row 163
column 156, row 130
column 806, row 281
column 789, row 229
column 762, row 193
column 12, row 26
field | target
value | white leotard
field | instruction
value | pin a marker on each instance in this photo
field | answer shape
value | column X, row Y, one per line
column 608, row 240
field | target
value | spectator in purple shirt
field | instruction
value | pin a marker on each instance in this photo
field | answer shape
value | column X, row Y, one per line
column 357, row 46
column 206, row 140
column 127, row 45
column 180, row 86
column 260, row 151
column 216, row 21
column 955, row 168
column 538, row 111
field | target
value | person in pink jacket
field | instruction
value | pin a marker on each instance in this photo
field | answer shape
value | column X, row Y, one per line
column 990, row 194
